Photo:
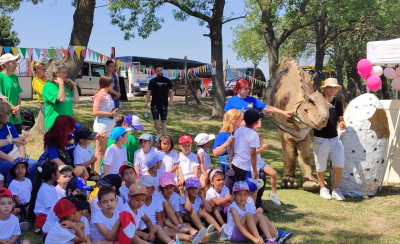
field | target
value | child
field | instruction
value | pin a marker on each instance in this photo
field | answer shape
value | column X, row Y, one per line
column 191, row 202
column 188, row 163
column 170, row 161
column 83, row 151
column 105, row 224
column 116, row 155
column 128, row 174
column 80, row 171
column 218, row 195
column 131, row 121
column 243, row 220
column 63, row 179
column 114, row 181
column 203, row 142
column 145, row 142
column 153, row 163
column 44, row 195
column 69, row 228
column 9, row 224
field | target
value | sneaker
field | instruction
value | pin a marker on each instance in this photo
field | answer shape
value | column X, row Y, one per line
column 210, row 228
column 324, row 193
column 158, row 137
column 337, row 194
column 283, row 236
column 198, row 236
column 24, row 226
column 223, row 227
column 223, row 236
column 275, row 199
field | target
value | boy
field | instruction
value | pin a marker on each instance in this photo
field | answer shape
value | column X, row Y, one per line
column 69, row 229
column 146, row 149
column 83, row 152
column 154, row 163
column 9, row 224
column 112, row 180
column 105, row 224
column 128, row 174
column 63, row 179
column 188, row 162
column 116, row 155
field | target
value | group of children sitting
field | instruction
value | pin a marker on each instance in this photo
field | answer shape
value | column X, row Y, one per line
column 163, row 197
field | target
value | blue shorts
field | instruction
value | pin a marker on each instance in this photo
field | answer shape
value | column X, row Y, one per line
column 159, row 111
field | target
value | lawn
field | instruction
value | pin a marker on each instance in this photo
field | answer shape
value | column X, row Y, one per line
column 312, row 219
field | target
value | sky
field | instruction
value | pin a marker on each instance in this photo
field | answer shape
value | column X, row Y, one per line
column 49, row 25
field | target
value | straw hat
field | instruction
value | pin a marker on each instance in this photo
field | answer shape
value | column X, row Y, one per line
column 333, row 82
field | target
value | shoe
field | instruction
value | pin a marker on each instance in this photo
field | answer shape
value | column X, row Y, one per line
column 223, row 227
column 275, row 199
column 183, row 229
column 24, row 226
column 337, row 194
column 158, row 137
column 198, row 236
column 324, row 193
column 223, row 236
column 283, row 236
column 210, row 228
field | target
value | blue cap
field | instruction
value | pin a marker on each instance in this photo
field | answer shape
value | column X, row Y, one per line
column 78, row 183
column 146, row 136
column 117, row 132
column 133, row 121
column 151, row 160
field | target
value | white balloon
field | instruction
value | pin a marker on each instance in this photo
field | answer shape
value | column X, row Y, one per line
column 389, row 73
column 396, row 83
column 377, row 70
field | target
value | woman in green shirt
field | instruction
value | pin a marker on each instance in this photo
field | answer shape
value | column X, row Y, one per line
column 57, row 97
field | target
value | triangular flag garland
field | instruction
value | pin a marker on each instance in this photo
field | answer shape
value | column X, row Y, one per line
column 72, row 51
column 7, row 49
column 23, row 52
column 45, row 51
column 14, row 50
column 38, row 51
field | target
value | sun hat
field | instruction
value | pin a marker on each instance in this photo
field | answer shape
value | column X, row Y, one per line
column 167, row 179
column 78, row 183
column 192, row 182
column 146, row 137
column 240, row 186
column 118, row 131
column 64, row 207
column 137, row 189
column 8, row 57
column 125, row 166
column 147, row 180
column 151, row 160
column 253, row 184
column 185, row 138
column 203, row 138
column 111, row 180
column 252, row 115
column 333, row 82
column 5, row 192
column 85, row 133
column 133, row 121
column 62, row 168
column 16, row 162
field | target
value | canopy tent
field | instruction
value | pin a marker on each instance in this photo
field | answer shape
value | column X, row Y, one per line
column 384, row 53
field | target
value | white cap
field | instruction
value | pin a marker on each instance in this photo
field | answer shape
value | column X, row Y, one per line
column 8, row 57
column 203, row 138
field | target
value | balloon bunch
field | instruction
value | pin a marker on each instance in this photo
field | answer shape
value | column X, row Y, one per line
column 394, row 75
column 371, row 74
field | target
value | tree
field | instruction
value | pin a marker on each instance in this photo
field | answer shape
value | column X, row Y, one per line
column 143, row 17
column 7, row 37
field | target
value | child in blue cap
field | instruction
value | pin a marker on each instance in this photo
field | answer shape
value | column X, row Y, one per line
column 116, row 154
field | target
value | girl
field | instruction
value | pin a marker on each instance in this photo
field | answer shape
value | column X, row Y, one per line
column 44, row 196
column 203, row 141
column 116, row 90
column 145, row 142
column 218, row 195
column 39, row 71
column 188, row 163
column 116, row 155
column 170, row 161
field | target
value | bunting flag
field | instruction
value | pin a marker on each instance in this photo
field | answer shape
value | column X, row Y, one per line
column 45, row 52
column 72, row 51
column 58, row 53
column 38, row 52
column 84, row 53
column 52, row 53
column 30, row 51
column 65, row 52
column 1, row 49
column 105, row 59
column 7, row 49
column 101, row 57
column 14, row 50
column 23, row 52
column 98, row 55
column 90, row 52
column 78, row 51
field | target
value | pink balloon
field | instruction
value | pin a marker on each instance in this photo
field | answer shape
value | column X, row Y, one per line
column 374, row 83
column 396, row 83
column 398, row 72
column 364, row 66
column 389, row 73
column 363, row 75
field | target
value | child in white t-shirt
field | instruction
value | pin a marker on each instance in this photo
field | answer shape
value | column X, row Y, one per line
column 116, row 155
column 203, row 142
column 153, row 163
column 145, row 142
column 128, row 175
column 170, row 161
column 83, row 152
column 188, row 163
column 111, row 180
column 63, row 179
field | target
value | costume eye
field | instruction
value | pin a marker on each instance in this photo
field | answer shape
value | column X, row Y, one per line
column 311, row 101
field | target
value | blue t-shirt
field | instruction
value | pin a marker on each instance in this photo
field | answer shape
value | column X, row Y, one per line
column 243, row 104
column 3, row 135
column 115, row 88
column 221, row 138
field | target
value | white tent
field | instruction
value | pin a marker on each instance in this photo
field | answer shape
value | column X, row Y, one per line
column 384, row 53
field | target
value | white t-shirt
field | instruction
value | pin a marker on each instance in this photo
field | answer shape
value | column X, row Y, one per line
column 139, row 159
column 196, row 206
column 115, row 157
column 46, row 198
column 206, row 159
column 245, row 138
column 22, row 189
column 174, row 200
column 60, row 192
column 60, row 235
column 156, row 179
column 187, row 164
column 87, row 225
column 124, row 192
column 9, row 228
column 211, row 193
column 94, row 207
column 99, row 218
column 249, row 208
column 137, row 217
column 169, row 161
column 82, row 155
column 152, row 210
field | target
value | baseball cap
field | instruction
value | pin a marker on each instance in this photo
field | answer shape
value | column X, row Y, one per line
column 79, row 201
column 185, row 138
column 111, row 180
column 125, row 166
column 137, row 188
column 118, row 131
column 64, row 207
column 151, row 160
column 62, row 168
column 252, row 115
column 85, row 133
column 147, row 180
column 16, row 162
column 192, row 182
column 167, row 179
column 133, row 121
column 240, row 186
column 203, row 138
column 5, row 192
column 8, row 57
column 78, row 183
column 146, row 136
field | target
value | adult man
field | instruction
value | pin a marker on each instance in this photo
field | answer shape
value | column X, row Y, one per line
column 159, row 87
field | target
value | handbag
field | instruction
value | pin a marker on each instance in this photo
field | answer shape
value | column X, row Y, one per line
column 14, row 153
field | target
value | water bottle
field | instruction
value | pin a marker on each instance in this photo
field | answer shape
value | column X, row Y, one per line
column 146, row 113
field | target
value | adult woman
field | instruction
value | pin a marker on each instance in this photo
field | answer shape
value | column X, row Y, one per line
column 8, row 140
column 9, row 87
column 38, row 82
column 57, row 97
column 116, row 90
column 103, row 109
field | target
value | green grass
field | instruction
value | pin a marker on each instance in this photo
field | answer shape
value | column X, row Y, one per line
column 312, row 219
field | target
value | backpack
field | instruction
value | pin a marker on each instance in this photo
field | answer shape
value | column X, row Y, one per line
column 28, row 119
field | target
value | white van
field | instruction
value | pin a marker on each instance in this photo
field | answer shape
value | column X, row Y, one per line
column 89, row 76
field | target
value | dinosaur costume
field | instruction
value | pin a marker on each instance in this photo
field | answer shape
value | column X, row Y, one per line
column 290, row 89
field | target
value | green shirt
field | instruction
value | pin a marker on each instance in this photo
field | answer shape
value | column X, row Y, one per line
column 52, row 107
column 9, row 87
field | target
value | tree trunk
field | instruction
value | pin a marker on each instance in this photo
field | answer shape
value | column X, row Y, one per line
column 273, row 59
column 339, row 62
column 39, row 127
column 319, row 63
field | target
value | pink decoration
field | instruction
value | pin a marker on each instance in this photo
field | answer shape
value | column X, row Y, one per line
column 377, row 70
column 363, row 75
column 398, row 72
column 389, row 73
column 396, row 83
column 374, row 83
column 364, row 66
